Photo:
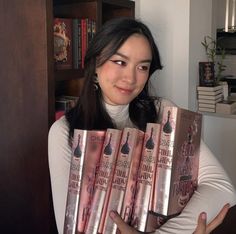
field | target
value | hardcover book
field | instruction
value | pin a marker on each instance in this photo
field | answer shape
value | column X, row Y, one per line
column 208, row 97
column 178, row 160
column 74, row 185
column 103, row 179
column 226, row 107
column 95, row 140
column 124, row 179
column 211, row 89
column 62, row 32
column 146, row 174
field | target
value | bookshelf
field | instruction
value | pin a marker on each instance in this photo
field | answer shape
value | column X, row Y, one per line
column 28, row 87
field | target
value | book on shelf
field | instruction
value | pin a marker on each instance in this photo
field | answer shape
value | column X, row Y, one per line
column 207, row 109
column 178, row 160
column 62, row 33
column 211, row 89
column 209, row 97
column 206, row 74
column 226, row 107
column 103, row 179
column 208, row 101
column 207, row 105
column 76, row 43
column 122, row 193
column 145, row 179
column 210, row 93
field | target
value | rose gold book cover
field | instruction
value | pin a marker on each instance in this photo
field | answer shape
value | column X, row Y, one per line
column 74, row 185
column 103, row 179
column 146, row 176
column 178, row 160
column 95, row 140
column 124, row 179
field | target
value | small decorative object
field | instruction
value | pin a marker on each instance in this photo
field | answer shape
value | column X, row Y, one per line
column 206, row 76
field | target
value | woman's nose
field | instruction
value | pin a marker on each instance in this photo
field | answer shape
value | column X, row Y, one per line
column 130, row 75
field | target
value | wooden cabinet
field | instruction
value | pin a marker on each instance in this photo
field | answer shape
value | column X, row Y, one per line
column 28, row 84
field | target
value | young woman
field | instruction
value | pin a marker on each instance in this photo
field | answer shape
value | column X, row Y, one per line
column 118, row 64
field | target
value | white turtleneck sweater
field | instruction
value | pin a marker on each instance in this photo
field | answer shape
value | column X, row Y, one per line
column 214, row 189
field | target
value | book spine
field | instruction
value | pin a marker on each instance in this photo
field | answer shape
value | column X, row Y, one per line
column 75, row 45
column 95, row 140
column 146, row 176
column 103, row 179
column 74, row 186
column 126, row 160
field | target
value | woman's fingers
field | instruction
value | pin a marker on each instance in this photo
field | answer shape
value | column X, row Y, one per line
column 122, row 226
column 201, row 224
column 218, row 219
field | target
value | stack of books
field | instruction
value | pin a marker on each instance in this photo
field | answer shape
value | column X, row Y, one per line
column 133, row 172
column 208, row 97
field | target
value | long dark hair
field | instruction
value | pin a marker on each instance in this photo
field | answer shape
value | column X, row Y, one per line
column 89, row 113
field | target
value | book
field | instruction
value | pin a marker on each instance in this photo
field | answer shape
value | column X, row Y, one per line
column 226, row 107
column 211, row 89
column 75, row 176
column 124, row 180
column 206, row 74
column 103, row 179
column 94, row 144
column 207, row 105
column 208, row 97
column 178, row 160
column 210, row 93
column 62, row 33
column 210, row 101
column 207, row 109
column 146, row 174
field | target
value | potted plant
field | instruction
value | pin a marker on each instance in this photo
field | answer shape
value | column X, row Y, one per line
column 210, row 72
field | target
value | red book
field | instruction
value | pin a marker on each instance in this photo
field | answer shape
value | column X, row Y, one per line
column 178, row 160
column 103, row 179
column 62, row 32
column 124, row 179
column 145, row 180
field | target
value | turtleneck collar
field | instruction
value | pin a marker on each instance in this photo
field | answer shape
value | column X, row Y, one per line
column 119, row 114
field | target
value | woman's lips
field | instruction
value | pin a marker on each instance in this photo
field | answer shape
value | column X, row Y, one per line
column 125, row 90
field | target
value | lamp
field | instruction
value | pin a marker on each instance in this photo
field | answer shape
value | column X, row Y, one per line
column 229, row 4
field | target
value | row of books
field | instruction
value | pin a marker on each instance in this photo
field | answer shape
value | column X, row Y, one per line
column 208, row 97
column 71, row 39
column 133, row 172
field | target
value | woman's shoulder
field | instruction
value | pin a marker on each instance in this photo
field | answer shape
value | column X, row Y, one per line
column 59, row 127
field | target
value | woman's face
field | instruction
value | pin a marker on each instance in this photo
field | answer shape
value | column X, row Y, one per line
column 123, row 76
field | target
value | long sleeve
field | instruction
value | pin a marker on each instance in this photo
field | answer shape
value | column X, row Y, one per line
column 214, row 190
column 59, row 156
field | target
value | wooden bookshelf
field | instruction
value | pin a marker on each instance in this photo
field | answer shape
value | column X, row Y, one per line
column 29, row 84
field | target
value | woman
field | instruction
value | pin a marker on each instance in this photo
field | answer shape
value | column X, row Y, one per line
column 118, row 64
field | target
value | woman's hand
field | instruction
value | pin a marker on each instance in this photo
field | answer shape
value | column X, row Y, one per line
column 202, row 227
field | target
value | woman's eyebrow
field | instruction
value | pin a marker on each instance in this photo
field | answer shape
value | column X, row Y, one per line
column 126, row 57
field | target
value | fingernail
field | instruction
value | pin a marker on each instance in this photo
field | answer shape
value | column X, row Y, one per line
column 203, row 216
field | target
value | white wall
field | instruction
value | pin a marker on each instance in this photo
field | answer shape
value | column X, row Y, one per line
column 179, row 27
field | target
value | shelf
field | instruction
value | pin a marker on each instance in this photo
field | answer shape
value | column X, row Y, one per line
column 219, row 115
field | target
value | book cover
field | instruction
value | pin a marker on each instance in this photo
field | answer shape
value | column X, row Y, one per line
column 178, row 160
column 226, row 107
column 211, row 89
column 206, row 74
column 62, row 32
column 103, row 179
column 146, row 174
column 74, row 185
column 95, row 140
column 124, row 178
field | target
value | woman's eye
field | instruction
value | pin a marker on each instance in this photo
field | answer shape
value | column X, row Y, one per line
column 119, row 62
column 143, row 67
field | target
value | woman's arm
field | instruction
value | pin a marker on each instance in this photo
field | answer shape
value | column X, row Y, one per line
column 59, row 156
